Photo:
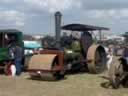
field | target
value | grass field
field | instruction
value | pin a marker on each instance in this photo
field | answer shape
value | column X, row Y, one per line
column 73, row 85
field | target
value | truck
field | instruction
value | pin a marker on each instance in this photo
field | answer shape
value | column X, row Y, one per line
column 8, row 39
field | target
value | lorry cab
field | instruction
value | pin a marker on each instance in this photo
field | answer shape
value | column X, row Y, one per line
column 9, row 36
column 8, row 39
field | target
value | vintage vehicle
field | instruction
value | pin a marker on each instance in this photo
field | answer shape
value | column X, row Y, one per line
column 118, row 73
column 69, row 54
column 8, row 39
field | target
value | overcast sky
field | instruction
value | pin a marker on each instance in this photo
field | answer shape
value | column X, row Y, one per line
column 37, row 16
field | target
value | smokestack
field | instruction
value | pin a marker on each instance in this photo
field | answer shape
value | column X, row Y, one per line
column 58, row 28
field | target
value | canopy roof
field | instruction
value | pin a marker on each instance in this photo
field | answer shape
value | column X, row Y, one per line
column 82, row 27
column 9, row 30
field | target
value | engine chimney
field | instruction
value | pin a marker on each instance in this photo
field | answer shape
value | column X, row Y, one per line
column 58, row 28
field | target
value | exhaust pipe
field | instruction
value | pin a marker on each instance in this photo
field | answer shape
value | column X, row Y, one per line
column 58, row 28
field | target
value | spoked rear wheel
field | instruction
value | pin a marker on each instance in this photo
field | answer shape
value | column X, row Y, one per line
column 116, row 73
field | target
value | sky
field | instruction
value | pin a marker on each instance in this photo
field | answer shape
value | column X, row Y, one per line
column 37, row 16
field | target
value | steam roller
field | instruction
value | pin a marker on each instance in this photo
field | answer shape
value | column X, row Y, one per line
column 68, row 53
column 52, row 64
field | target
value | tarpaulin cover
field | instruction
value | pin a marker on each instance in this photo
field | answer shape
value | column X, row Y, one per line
column 32, row 44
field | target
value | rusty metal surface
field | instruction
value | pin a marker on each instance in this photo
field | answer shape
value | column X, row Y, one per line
column 41, row 61
column 42, row 75
column 59, row 53
column 96, row 54
column 48, row 65
column 45, row 61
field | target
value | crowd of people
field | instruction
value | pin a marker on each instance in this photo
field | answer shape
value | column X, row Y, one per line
column 111, row 50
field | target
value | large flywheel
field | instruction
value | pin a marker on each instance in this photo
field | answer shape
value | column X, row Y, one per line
column 96, row 56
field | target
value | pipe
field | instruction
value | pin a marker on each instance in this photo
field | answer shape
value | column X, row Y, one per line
column 58, row 28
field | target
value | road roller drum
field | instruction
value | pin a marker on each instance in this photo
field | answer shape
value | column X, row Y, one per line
column 41, row 61
column 48, row 65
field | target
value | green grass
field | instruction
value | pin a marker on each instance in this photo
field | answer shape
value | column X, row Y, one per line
column 73, row 85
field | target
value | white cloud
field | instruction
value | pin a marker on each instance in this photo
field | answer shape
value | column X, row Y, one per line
column 12, row 17
column 32, row 13
column 112, row 13
column 124, row 13
column 53, row 5
column 7, row 1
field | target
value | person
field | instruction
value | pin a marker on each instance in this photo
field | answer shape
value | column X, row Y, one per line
column 46, row 45
column 36, row 51
column 18, row 56
column 86, row 42
column 13, row 70
column 125, row 53
column 109, row 56
column 10, row 46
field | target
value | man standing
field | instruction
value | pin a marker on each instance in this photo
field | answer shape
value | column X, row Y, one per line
column 86, row 42
column 109, row 56
column 125, row 53
column 18, row 55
